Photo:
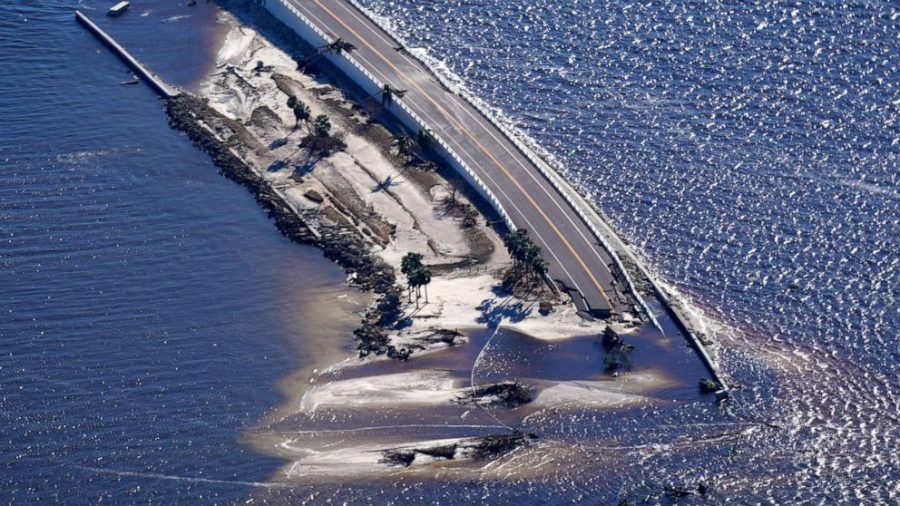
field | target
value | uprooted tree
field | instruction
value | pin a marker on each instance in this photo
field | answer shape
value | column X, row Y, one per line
column 320, row 141
column 405, row 145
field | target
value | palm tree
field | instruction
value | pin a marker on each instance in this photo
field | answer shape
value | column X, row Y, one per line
column 388, row 93
column 539, row 266
column 421, row 277
column 526, row 254
column 423, row 137
column 410, row 263
column 321, row 126
column 531, row 255
column 338, row 46
column 406, row 146
column 301, row 113
column 516, row 244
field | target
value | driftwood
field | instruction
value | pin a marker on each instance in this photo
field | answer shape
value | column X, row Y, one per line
column 480, row 448
column 509, row 394
column 490, row 447
column 405, row 457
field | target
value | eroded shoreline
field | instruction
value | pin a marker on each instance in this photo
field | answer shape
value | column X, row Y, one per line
column 366, row 206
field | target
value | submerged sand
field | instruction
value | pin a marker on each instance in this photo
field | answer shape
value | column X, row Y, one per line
column 329, row 422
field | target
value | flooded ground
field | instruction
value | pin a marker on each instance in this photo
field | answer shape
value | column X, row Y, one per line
column 583, row 420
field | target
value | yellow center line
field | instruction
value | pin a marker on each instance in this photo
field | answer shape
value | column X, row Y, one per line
column 481, row 146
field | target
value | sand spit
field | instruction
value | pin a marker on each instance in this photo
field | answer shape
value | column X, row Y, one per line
column 366, row 206
column 421, row 388
column 366, row 190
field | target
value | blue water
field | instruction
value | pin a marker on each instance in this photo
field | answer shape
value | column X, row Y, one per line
column 147, row 306
column 751, row 150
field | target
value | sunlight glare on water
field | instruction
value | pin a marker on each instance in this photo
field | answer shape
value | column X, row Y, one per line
column 750, row 150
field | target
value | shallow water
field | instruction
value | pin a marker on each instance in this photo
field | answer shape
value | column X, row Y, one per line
column 751, row 151
column 591, row 439
column 148, row 306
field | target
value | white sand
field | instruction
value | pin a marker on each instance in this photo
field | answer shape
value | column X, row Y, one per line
column 236, row 90
column 414, row 388
column 454, row 299
column 602, row 394
column 464, row 299
column 351, row 461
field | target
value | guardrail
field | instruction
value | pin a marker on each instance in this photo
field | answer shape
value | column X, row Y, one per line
column 470, row 175
column 554, row 177
column 551, row 175
column 421, row 124
column 528, row 153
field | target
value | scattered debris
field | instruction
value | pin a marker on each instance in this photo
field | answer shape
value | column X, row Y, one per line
column 118, row 9
column 545, row 307
column 314, row 196
column 436, row 335
column 508, row 393
column 405, row 457
column 677, row 492
column 610, row 338
column 490, row 447
column 479, row 448
column 617, row 351
column 323, row 143
column 446, row 452
column 708, row 386
column 398, row 458
column 401, row 354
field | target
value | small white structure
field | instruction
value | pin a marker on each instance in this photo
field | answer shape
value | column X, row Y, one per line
column 117, row 9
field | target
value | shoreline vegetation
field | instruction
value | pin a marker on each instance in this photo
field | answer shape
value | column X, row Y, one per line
column 334, row 171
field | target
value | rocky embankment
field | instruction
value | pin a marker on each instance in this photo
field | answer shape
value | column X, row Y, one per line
column 218, row 136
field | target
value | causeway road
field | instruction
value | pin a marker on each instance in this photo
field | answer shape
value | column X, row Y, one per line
column 576, row 259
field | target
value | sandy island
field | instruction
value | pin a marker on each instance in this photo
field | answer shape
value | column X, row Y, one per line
column 367, row 206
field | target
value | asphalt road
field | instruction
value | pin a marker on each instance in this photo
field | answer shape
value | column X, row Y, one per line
column 576, row 258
